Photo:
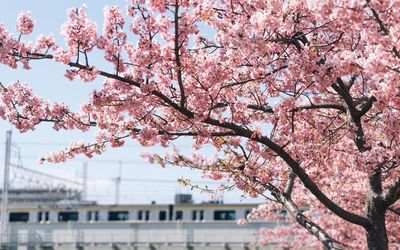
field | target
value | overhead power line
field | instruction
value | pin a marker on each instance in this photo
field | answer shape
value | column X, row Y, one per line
column 46, row 175
column 63, row 144
column 93, row 160
column 165, row 181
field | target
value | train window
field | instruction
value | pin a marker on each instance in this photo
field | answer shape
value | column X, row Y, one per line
column 68, row 216
column 147, row 215
column 140, row 215
column 118, row 215
column 201, row 214
column 224, row 215
column 92, row 215
column 194, row 215
column 19, row 217
column 96, row 215
column 246, row 213
column 162, row 216
column 178, row 215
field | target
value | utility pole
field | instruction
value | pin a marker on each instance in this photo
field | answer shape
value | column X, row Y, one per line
column 117, row 184
column 4, row 194
column 84, row 181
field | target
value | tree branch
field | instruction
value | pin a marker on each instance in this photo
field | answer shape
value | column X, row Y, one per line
column 367, row 106
column 337, row 106
column 177, row 55
column 301, row 219
column 353, row 113
column 382, row 26
column 265, row 108
column 340, row 87
column 394, row 210
column 297, row 169
column 289, row 184
column 392, row 194
column 268, row 109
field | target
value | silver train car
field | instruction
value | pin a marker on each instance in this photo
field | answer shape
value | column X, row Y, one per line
column 87, row 225
column 92, row 213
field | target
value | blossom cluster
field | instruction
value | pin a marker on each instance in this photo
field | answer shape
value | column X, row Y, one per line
column 25, row 23
column 272, row 86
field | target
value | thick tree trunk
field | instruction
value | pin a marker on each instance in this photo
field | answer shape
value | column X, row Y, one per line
column 377, row 238
column 376, row 234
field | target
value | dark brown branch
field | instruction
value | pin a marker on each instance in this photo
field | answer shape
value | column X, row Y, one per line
column 367, row 106
column 189, row 133
column 301, row 219
column 382, row 26
column 177, row 56
column 289, row 184
column 396, row 52
column 215, row 134
column 394, row 210
column 268, row 109
column 297, row 169
column 392, row 194
column 353, row 113
column 265, row 108
column 340, row 87
column 232, row 84
column 322, row 106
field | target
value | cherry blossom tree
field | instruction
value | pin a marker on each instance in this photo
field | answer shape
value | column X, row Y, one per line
column 300, row 99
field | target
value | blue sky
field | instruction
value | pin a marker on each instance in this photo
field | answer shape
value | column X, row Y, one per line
column 47, row 80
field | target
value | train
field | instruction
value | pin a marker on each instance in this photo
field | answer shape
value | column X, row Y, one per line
column 92, row 212
column 81, row 224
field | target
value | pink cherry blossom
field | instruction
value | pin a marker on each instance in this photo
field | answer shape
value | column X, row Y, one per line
column 60, row 55
column 299, row 100
column 79, row 31
column 25, row 23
